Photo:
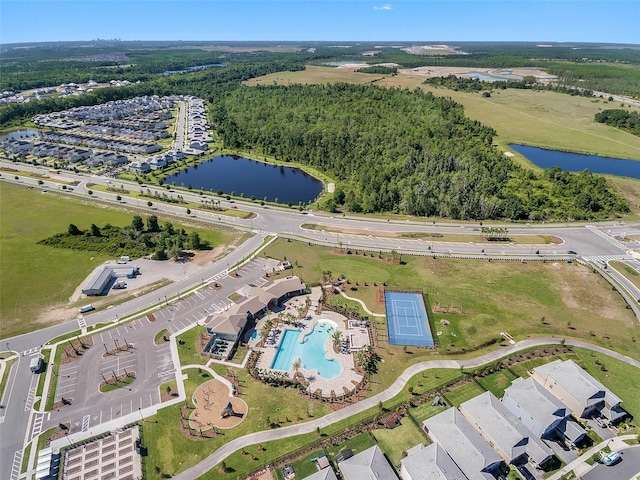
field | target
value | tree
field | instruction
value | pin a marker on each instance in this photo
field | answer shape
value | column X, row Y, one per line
column 73, row 230
column 188, row 211
column 149, row 204
column 152, row 224
column 95, row 230
column 137, row 224
column 337, row 338
column 89, row 192
column 194, row 241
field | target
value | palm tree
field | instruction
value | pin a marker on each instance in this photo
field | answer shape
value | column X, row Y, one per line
column 336, row 337
column 296, row 367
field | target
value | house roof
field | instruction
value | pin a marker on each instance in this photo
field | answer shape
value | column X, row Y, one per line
column 582, row 386
column 369, row 464
column 326, row 474
column 502, row 428
column 431, row 463
column 280, row 288
column 226, row 324
column 537, row 401
column 572, row 430
column 464, row 445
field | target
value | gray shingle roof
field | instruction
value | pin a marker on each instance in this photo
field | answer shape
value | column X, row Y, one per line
column 473, row 455
column 431, row 463
column 586, row 389
column 503, row 429
column 326, row 474
column 369, row 464
column 536, row 400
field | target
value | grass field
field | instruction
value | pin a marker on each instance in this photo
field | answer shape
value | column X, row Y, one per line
column 464, row 392
column 525, row 299
column 497, row 382
column 396, row 441
column 51, row 274
column 278, row 406
column 627, row 271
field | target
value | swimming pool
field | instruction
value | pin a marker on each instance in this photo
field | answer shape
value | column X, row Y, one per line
column 311, row 351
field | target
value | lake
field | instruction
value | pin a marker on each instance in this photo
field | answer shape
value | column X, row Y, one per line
column 21, row 135
column 194, row 68
column 231, row 173
column 576, row 162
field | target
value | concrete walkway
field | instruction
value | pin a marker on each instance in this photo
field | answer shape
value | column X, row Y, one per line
column 364, row 306
column 396, row 388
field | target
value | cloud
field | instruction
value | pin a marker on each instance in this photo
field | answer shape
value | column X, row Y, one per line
column 386, row 6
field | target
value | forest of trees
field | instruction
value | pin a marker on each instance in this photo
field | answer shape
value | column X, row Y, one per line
column 136, row 240
column 403, row 151
column 628, row 121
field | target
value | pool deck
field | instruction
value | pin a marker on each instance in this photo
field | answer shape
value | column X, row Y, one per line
column 348, row 379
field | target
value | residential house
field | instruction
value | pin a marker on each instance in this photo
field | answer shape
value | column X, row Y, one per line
column 470, row 452
column 429, row 463
column 370, row 464
column 582, row 393
column 514, row 442
column 541, row 412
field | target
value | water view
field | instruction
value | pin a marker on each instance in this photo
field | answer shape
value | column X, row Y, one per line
column 194, row 68
column 20, row 135
column 576, row 162
column 230, row 173
column 311, row 351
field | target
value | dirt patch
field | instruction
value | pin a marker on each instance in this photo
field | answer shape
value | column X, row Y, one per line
column 202, row 258
column 74, row 349
column 210, row 399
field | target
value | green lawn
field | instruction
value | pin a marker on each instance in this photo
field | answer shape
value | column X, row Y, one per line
column 281, row 406
column 357, row 444
column 464, row 392
column 188, row 351
column 426, row 410
column 52, row 274
column 524, row 299
column 395, row 442
column 497, row 382
column 627, row 271
column 303, row 467
column 621, row 378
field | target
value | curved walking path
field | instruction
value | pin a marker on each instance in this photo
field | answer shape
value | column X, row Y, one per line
column 268, row 435
column 364, row 306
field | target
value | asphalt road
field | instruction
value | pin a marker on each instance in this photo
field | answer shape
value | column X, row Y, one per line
column 17, row 422
column 627, row 469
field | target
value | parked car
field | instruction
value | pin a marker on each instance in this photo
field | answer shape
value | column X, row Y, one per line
column 611, row 459
column 571, row 252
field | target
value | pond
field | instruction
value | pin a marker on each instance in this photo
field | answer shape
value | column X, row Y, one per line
column 491, row 78
column 20, row 135
column 194, row 68
column 240, row 175
column 576, row 162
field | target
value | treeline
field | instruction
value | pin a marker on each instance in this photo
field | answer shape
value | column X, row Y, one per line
column 206, row 84
column 137, row 240
column 402, row 151
column 379, row 69
column 629, row 121
column 471, row 84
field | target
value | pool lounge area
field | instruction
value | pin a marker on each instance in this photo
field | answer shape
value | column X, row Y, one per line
column 324, row 370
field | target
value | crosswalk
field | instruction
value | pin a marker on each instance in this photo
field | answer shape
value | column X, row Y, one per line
column 31, row 351
column 607, row 237
column 38, row 420
column 16, row 465
column 608, row 258
column 219, row 276
column 82, row 323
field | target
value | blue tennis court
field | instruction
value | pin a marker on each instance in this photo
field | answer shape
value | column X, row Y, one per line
column 407, row 320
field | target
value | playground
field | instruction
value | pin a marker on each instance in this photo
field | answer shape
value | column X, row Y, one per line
column 215, row 407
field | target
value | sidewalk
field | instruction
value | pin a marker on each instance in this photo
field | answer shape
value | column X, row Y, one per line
column 580, row 467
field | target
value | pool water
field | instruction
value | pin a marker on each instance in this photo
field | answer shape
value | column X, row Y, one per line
column 311, row 351
column 255, row 335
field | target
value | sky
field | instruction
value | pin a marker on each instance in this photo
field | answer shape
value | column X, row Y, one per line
column 614, row 21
